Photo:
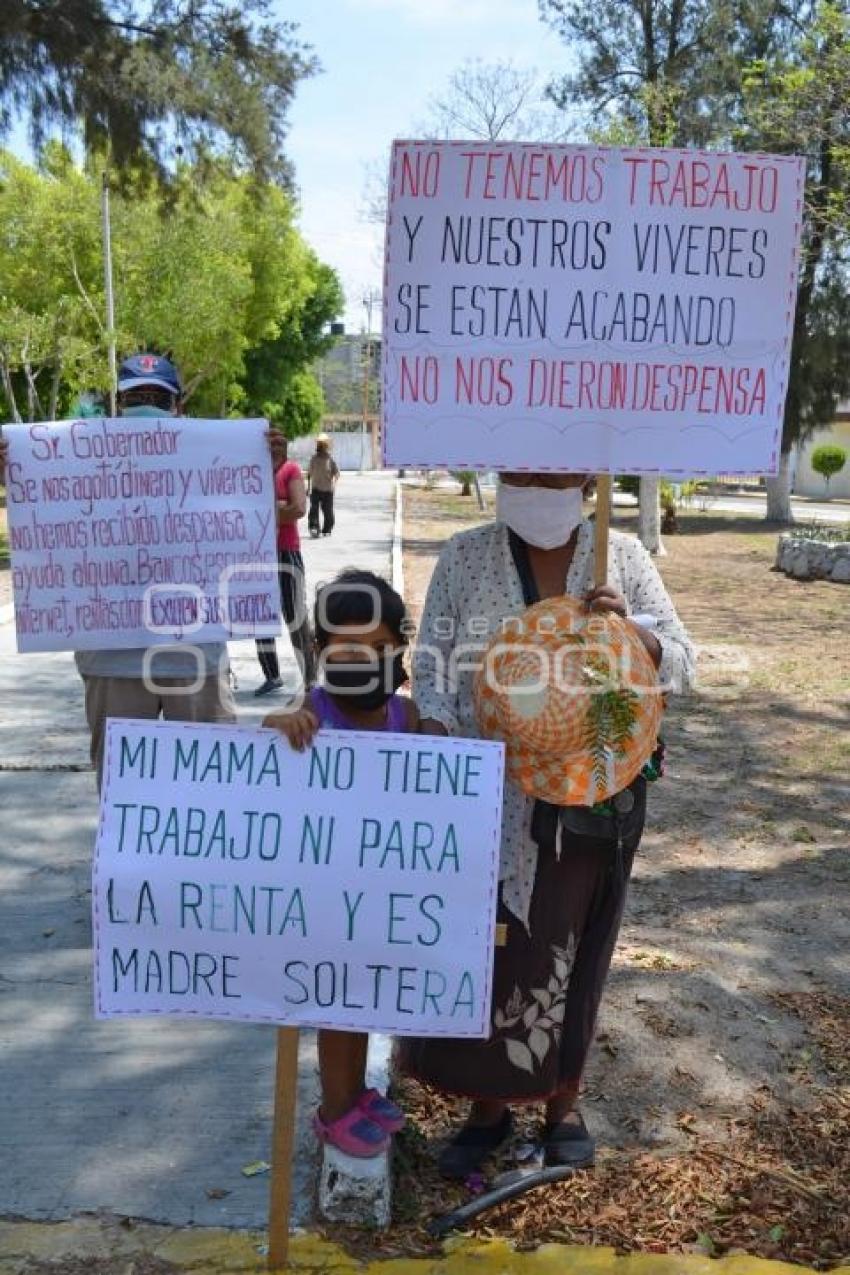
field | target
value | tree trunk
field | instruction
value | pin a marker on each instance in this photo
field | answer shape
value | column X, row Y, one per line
column 779, row 492
column 55, row 380
column 9, row 391
column 649, row 516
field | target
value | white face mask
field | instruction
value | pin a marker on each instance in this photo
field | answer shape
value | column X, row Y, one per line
column 545, row 517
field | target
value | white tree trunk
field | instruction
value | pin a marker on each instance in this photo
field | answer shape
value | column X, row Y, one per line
column 649, row 516
column 779, row 492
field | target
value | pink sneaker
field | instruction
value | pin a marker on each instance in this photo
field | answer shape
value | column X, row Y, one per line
column 355, row 1133
column 382, row 1110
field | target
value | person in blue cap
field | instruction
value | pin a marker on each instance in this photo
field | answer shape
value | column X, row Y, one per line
column 184, row 685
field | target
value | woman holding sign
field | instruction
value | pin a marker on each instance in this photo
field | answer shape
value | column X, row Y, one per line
column 578, row 756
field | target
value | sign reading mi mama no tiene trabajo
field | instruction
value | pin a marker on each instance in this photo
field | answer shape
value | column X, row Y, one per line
column 350, row 886
column 589, row 309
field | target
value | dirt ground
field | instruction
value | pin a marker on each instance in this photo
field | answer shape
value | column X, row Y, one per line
column 718, row 1088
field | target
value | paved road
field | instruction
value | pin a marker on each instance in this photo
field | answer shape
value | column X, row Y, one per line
column 139, row 1117
column 804, row 510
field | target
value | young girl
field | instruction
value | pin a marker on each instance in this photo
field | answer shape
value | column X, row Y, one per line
column 361, row 633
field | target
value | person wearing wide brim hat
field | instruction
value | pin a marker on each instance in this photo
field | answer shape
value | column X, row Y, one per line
column 322, row 478
column 517, row 644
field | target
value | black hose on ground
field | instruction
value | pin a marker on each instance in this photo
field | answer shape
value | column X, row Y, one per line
column 445, row 1222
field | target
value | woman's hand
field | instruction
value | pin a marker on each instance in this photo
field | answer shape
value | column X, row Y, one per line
column 605, row 600
column 299, row 727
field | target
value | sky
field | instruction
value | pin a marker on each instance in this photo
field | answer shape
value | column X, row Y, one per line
column 382, row 60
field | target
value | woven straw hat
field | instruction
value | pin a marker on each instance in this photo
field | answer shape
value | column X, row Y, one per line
column 575, row 698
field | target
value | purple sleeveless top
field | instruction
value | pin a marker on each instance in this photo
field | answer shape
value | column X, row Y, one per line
column 330, row 714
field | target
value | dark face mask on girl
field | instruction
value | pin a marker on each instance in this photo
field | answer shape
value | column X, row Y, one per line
column 367, row 685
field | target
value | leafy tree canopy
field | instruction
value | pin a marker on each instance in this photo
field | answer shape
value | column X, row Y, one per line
column 759, row 75
column 667, row 72
column 154, row 80
column 795, row 102
column 224, row 282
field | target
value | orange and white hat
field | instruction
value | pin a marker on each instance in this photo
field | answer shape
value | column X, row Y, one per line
column 575, row 698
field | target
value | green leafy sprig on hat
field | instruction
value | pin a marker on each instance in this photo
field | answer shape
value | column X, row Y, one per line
column 610, row 720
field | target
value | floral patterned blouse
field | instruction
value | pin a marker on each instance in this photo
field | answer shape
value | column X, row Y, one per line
column 475, row 586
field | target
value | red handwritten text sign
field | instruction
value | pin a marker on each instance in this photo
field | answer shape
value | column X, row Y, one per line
column 588, row 309
column 140, row 532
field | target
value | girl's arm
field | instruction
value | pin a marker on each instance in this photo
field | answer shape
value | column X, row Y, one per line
column 299, row 727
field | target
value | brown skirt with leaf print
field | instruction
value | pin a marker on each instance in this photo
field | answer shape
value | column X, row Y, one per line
column 547, row 983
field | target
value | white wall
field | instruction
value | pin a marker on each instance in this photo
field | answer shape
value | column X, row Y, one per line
column 350, row 450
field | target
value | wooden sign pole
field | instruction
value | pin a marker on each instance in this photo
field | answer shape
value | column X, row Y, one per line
column 283, row 1138
column 603, row 522
column 600, row 576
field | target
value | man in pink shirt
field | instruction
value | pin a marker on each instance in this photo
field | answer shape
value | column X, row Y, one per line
column 291, row 502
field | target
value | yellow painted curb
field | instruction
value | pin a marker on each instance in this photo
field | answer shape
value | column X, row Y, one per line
column 221, row 1252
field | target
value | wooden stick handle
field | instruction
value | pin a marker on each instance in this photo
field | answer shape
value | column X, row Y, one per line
column 603, row 522
column 283, row 1138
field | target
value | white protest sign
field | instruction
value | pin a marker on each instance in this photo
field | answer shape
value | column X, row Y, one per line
column 350, row 886
column 588, row 309
column 139, row 532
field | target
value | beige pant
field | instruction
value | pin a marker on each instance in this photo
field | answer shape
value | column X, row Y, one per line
column 130, row 697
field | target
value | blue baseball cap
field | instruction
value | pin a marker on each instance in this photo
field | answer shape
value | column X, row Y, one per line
column 149, row 370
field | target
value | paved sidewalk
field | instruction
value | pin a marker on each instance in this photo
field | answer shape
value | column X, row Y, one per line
column 152, row 1118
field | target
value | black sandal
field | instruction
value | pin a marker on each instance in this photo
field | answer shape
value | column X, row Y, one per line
column 568, row 1143
column 471, row 1145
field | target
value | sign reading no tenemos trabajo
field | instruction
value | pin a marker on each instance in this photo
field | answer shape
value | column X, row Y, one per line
column 141, row 532
column 588, row 309
column 349, row 886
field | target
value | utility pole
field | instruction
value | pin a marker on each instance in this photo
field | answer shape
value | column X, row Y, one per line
column 110, row 299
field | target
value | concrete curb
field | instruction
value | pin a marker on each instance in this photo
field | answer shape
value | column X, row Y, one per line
column 122, row 1242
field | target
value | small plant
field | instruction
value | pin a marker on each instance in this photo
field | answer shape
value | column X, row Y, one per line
column 828, row 460
column 465, row 478
column 819, row 531
column 687, row 493
column 667, row 498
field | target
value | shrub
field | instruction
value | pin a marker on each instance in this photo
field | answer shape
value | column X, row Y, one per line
column 828, row 460
column 464, row 477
